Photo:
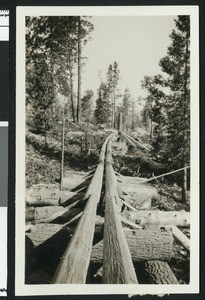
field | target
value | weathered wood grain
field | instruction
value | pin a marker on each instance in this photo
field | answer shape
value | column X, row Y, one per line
column 75, row 261
column 159, row 272
column 117, row 262
column 145, row 244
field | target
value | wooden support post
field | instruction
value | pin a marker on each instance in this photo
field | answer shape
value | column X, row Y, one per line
column 77, row 255
column 117, row 261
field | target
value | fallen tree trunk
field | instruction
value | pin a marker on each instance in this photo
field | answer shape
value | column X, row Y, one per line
column 178, row 218
column 117, row 261
column 39, row 233
column 42, row 193
column 180, row 237
column 145, row 244
column 159, row 272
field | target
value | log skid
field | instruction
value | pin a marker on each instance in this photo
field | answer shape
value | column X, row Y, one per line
column 117, row 263
column 101, row 227
column 75, row 261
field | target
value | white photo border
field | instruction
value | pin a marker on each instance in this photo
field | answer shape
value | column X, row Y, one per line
column 75, row 289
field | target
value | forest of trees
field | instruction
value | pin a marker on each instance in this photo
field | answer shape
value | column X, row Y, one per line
column 54, row 63
column 167, row 105
column 54, row 47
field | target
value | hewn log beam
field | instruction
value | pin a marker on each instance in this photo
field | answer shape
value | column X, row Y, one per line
column 77, row 255
column 117, row 261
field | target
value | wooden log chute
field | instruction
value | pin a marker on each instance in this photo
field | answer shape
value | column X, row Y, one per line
column 117, row 263
column 104, row 242
column 77, row 255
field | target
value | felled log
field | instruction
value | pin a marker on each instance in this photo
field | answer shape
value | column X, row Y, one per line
column 76, row 257
column 145, row 244
column 42, row 194
column 117, row 261
column 48, row 212
column 180, row 237
column 67, row 198
column 138, row 195
column 42, row 232
column 178, row 218
column 159, row 272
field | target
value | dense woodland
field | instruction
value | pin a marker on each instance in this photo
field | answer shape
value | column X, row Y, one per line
column 54, row 64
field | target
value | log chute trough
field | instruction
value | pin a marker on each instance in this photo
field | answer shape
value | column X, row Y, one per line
column 94, row 231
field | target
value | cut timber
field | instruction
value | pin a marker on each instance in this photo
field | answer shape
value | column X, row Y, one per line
column 117, row 261
column 159, row 272
column 134, row 142
column 61, row 217
column 180, row 237
column 42, row 232
column 178, row 218
column 47, row 211
column 128, row 205
column 138, row 195
column 74, row 180
column 77, row 255
column 43, row 194
column 130, row 223
column 68, row 197
column 145, row 244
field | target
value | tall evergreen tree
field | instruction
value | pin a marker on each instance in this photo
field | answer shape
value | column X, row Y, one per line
column 168, row 101
column 113, row 76
column 103, row 107
column 177, row 66
column 126, row 109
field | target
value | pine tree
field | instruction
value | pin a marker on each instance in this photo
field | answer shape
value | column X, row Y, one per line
column 87, row 106
column 126, row 109
column 113, row 76
column 103, row 107
column 177, row 65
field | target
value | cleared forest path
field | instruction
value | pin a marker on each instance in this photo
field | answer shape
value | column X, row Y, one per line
column 102, row 228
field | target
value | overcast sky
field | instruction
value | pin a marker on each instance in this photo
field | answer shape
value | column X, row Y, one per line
column 136, row 43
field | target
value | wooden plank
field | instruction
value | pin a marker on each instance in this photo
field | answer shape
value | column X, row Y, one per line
column 117, row 261
column 77, row 255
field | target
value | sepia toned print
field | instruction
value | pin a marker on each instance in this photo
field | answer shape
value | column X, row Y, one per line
column 107, row 165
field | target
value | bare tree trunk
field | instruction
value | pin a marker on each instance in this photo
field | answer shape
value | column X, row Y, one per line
column 72, row 95
column 79, row 73
column 62, row 151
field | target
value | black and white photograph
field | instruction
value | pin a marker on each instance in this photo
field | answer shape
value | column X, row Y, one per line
column 107, row 183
